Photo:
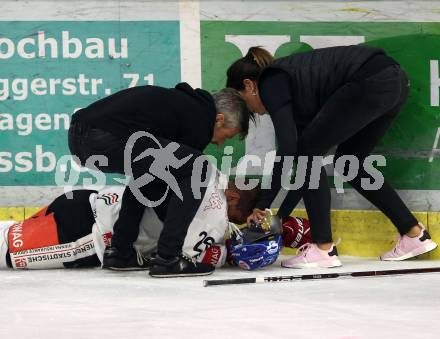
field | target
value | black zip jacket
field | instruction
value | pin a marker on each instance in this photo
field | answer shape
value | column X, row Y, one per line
column 295, row 88
column 181, row 114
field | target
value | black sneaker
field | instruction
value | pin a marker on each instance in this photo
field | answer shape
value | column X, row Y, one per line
column 181, row 266
column 124, row 260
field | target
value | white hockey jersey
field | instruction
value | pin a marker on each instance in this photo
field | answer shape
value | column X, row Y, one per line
column 36, row 251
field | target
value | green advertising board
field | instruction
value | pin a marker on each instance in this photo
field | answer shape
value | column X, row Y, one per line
column 409, row 146
column 50, row 68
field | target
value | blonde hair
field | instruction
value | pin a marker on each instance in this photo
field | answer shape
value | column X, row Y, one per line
column 261, row 56
column 248, row 67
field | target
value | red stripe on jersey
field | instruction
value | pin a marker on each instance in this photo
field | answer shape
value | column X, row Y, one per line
column 40, row 230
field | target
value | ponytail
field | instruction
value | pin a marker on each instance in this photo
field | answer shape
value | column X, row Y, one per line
column 260, row 56
column 248, row 67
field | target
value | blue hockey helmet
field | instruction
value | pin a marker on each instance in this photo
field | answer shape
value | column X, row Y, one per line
column 257, row 255
column 257, row 245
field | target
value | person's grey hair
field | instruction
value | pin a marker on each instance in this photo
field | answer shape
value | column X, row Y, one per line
column 229, row 102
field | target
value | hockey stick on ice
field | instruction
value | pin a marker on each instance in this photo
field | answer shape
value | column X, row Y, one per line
column 318, row 276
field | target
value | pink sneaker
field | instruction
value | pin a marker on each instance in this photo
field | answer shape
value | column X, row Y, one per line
column 407, row 247
column 310, row 255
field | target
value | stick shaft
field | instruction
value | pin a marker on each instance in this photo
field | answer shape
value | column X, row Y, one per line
column 229, row 281
column 319, row 276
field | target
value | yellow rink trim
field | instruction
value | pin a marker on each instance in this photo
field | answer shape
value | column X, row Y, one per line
column 370, row 233
column 362, row 233
column 17, row 213
column 30, row 211
column 12, row 213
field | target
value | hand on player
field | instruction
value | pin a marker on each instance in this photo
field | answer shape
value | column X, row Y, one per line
column 257, row 216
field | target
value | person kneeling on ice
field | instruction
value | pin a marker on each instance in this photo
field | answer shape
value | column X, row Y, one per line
column 75, row 232
column 71, row 233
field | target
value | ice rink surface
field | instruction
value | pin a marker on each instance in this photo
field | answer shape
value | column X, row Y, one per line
column 95, row 303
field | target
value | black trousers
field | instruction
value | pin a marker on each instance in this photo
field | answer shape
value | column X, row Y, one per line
column 355, row 118
column 177, row 214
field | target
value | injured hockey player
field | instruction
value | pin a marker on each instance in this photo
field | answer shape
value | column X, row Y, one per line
column 74, row 230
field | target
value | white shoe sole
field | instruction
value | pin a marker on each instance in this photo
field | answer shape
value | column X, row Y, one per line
column 126, row 269
column 179, row 275
column 428, row 248
column 334, row 263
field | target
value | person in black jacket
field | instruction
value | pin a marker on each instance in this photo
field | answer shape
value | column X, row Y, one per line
column 345, row 96
column 180, row 123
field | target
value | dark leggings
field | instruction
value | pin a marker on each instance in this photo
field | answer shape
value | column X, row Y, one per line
column 176, row 214
column 355, row 118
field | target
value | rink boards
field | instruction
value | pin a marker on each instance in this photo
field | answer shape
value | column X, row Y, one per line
column 362, row 233
column 115, row 45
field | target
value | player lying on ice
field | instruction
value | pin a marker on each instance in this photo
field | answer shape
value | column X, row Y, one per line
column 71, row 233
